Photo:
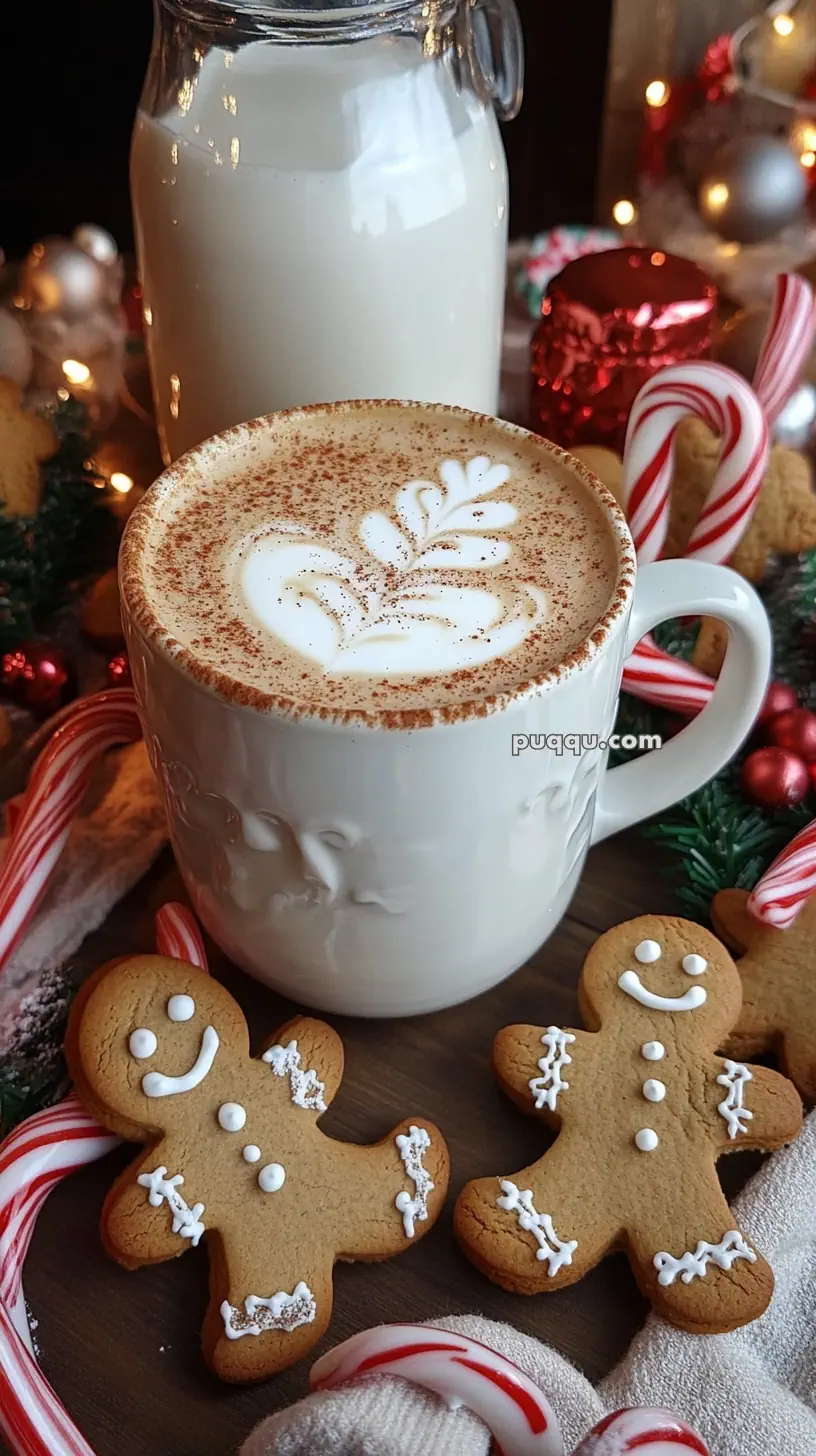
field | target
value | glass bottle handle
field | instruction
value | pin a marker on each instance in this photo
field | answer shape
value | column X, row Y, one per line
column 491, row 36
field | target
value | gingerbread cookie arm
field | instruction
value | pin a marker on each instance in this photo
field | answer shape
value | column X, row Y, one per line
column 535, row 1230
column 536, row 1066
column 390, row 1194
column 151, row 1214
column 308, row 1055
column 752, row 1106
column 799, row 1058
column 693, row 1262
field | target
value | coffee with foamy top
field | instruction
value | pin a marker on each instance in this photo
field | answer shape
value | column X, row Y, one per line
column 378, row 558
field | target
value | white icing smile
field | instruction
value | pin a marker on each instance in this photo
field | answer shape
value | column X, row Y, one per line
column 156, row 1084
column 388, row 609
column 631, row 983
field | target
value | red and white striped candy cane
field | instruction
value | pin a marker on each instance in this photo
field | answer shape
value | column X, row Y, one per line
column 516, row 1412
column 43, row 1150
column 58, row 784
column 729, row 407
column 33, row 1159
column 788, row 882
column 787, row 345
column 648, row 1432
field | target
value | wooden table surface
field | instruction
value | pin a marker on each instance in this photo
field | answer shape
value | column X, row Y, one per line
column 122, row 1349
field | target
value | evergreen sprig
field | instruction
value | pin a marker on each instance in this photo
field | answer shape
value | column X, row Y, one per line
column 72, row 534
column 720, row 838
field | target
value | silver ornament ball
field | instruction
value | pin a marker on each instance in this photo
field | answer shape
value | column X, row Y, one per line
column 58, row 277
column 16, row 358
column 96, row 242
column 796, row 425
column 755, row 188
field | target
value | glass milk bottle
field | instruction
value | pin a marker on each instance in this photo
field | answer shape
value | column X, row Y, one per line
column 320, row 200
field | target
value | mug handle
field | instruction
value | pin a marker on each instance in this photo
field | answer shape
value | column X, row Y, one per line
column 666, row 589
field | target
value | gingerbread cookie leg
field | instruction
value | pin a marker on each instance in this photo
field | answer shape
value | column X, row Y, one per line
column 535, row 1230
column 699, row 1271
column 266, row 1310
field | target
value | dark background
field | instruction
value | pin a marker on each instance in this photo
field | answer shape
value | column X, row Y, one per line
column 74, row 72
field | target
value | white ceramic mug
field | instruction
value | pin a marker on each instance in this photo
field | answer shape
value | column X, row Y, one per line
column 388, row 871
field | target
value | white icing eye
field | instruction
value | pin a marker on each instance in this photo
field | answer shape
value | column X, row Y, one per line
column 142, row 1043
column 653, row 1090
column 653, row 1051
column 647, row 951
column 231, row 1116
column 181, row 1008
column 251, row 1153
column 271, row 1178
column 646, row 1140
column 694, row 965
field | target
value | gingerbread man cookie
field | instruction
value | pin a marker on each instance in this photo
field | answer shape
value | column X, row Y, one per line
column 26, row 440
column 778, row 974
column 784, row 518
column 160, row 1054
column 644, row 1108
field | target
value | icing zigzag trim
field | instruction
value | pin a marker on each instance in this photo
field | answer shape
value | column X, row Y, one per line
column 282, row 1311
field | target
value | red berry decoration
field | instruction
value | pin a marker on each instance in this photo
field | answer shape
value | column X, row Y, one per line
column 796, row 730
column 780, row 698
column 775, row 778
column 37, row 675
column 119, row 672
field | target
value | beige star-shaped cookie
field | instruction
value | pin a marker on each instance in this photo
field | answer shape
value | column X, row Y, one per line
column 26, row 440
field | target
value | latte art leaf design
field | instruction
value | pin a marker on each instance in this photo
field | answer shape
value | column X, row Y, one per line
column 391, row 611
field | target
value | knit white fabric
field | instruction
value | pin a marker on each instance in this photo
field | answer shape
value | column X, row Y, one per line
column 750, row 1393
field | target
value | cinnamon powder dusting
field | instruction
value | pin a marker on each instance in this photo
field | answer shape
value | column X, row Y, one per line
column 314, row 475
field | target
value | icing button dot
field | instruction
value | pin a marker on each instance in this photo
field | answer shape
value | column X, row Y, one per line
column 647, row 951
column 653, row 1051
column 142, row 1043
column 646, row 1140
column 251, row 1153
column 271, row 1178
column 694, row 965
column 181, row 1008
column 653, row 1090
column 231, row 1116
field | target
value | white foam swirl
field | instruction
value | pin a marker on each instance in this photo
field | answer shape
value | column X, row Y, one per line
column 391, row 611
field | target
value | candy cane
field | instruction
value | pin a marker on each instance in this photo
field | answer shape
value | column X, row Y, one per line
column 729, row 407
column 787, row 345
column 178, row 935
column 648, row 1432
column 57, row 786
column 458, row 1369
column 33, row 1159
column 667, row 681
column 43, row 1150
column 788, row 883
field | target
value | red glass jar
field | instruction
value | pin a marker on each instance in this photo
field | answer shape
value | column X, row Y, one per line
column 609, row 322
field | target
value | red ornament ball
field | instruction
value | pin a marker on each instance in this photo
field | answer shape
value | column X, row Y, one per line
column 780, row 698
column 118, row 674
column 775, row 778
column 37, row 675
column 795, row 730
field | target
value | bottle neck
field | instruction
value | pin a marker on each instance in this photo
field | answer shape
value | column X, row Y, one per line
column 322, row 22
